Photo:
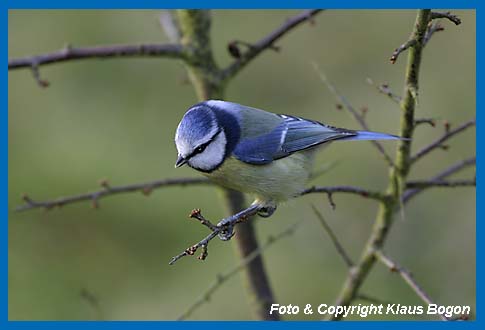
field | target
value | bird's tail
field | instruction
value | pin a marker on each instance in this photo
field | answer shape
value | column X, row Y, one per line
column 366, row 135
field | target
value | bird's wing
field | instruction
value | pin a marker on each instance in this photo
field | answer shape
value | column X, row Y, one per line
column 291, row 135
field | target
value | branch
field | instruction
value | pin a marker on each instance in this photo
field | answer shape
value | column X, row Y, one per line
column 453, row 18
column 439, row 142
column 340, row 249
column 358, row 117
column 407, row 277
column 346, row 189
column 70, row 53
column 267, row 42
column 432, row 29
column 398, row 173
column 146, row 188
column 409, row 194
column 224, row 229
column 430, row 121
column 402, row 48
column 222, row 278
column 440, row 183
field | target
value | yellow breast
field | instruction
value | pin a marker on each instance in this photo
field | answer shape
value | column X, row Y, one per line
column 278, row 181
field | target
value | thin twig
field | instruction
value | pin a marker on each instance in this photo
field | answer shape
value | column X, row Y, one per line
column 146, row 188
column 453, row 18
column 357, row 116
column 192, row 249
column 222, row 278
column 340, row 249
column 430, row 121
column 440, row 183
column 410, row 193
column 346, row 189
column 71, row 53
column 267, row 42
column 433, row 27
column 439, row 142
column 224, row 229
column 386, row 90
column 407, row 277
column 402, row 48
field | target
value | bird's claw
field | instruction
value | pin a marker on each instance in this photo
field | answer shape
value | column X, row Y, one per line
column 266, row 211
column 226, row 233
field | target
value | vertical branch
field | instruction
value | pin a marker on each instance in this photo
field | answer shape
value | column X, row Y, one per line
column 201, row 66
column 206, row 79
column 398, row 173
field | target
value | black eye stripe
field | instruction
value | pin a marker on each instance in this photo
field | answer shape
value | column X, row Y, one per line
column 202, row 147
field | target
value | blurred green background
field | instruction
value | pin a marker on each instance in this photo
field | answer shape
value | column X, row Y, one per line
column 116, row 119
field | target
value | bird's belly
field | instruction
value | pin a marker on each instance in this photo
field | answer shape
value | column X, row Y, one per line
column 278, row 181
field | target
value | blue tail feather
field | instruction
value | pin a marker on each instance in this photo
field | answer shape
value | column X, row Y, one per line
column 366, row 135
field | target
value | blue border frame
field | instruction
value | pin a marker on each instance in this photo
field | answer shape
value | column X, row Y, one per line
column 374, row 4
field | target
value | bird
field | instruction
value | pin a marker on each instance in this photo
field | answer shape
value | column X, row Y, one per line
column 254, row 151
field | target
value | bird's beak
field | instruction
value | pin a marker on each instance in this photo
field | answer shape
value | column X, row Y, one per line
column 180, row 161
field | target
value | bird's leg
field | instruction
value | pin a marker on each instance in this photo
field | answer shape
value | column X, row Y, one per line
column 228, row 223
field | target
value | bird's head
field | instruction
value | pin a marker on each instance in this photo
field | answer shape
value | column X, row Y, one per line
column 202, row 137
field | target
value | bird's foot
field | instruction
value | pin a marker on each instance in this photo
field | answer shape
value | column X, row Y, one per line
column 228, row 223
column 267, row 211
column 226, row 233
column 224, row 229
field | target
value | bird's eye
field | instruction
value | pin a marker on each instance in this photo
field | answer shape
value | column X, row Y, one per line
column 199, row 149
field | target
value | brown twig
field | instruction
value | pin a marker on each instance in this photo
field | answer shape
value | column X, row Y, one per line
column 407, row 277
column 440, row 183
column 222, row 278
column 430, row 121
column 433, row 27
column 69, row 53
column 453, row 18
column 410, row 43
column 339, row 247
column 356, row 115
column 386, row 90
column 410, row 193
column 439, row 142
column 224, row 229
column 267, row 42
column 346, row 189
column 146, row 188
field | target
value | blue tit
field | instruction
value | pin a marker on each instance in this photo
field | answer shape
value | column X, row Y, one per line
column 255, row 151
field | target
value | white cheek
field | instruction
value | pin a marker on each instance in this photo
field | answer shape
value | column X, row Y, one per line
column 183, row 148
column 212, row 156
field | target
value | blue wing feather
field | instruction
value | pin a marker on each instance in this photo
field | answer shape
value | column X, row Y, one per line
column 293, row 134
column 261, row 149
column 303, row 134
